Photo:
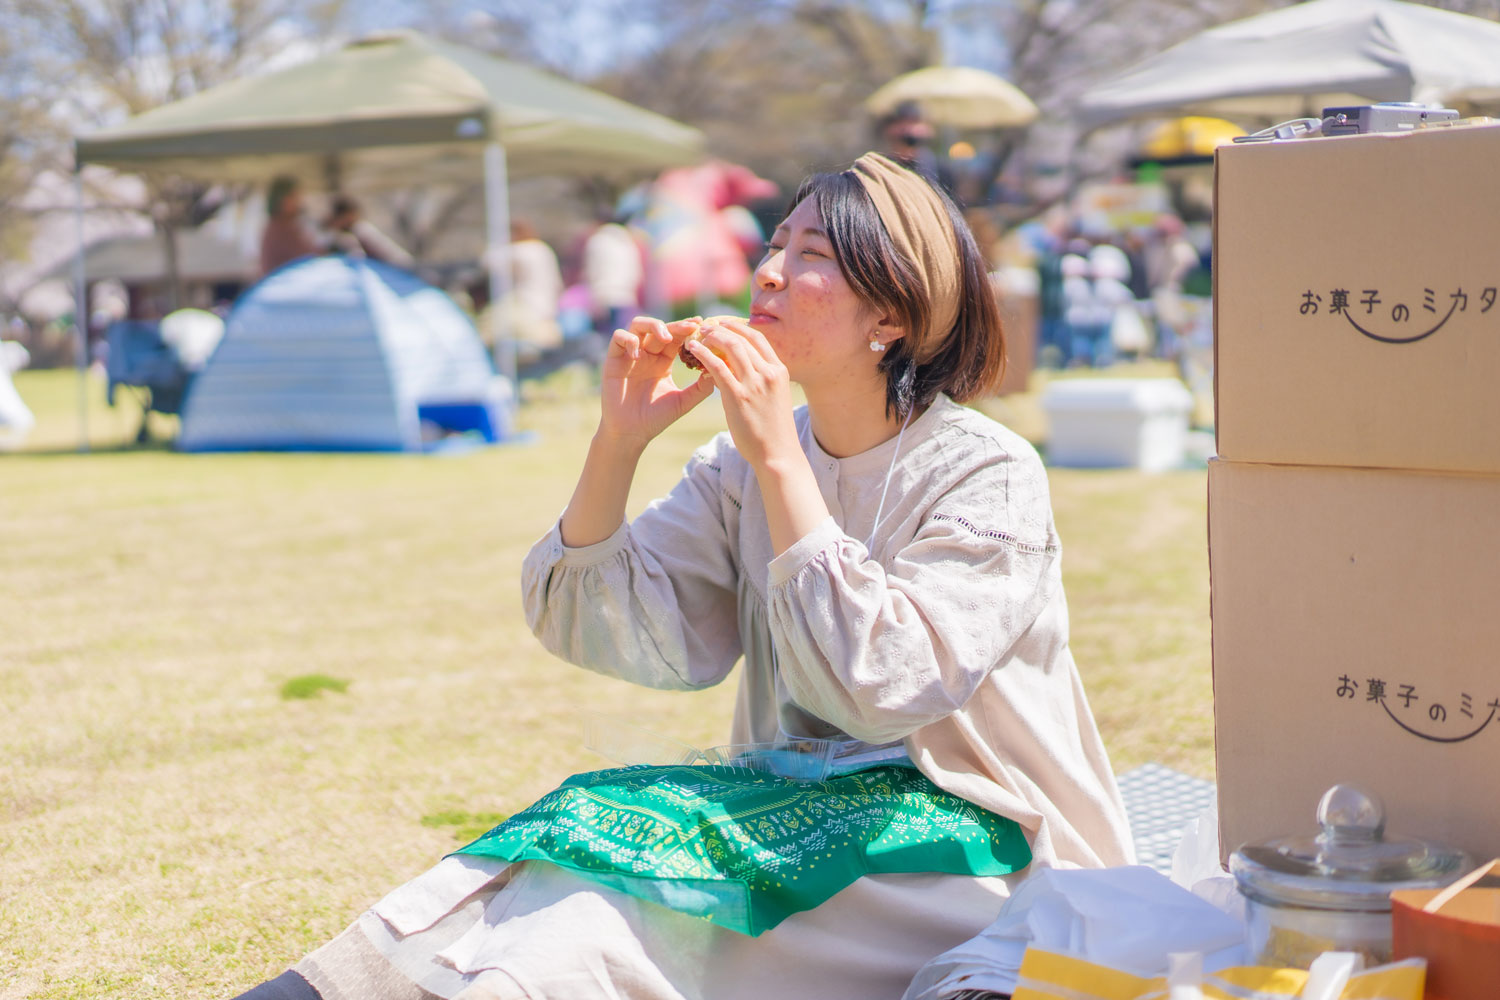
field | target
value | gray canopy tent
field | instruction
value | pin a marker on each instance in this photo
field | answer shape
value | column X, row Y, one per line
column 392, row 110
column 1295, row 61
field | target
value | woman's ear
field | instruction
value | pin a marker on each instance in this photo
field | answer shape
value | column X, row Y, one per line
column 888, row 330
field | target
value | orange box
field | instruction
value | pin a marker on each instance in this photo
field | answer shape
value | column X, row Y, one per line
column 1458, row 934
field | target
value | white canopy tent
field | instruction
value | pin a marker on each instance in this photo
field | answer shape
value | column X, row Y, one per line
column 1295, row 61
column 391, row 110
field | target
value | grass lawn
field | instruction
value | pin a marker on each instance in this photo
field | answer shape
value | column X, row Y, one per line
column 243, row 695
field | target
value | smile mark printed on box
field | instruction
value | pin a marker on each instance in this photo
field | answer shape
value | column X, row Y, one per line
column 1375, row 690
column 1338, row 304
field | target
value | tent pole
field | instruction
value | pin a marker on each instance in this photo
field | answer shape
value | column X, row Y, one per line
column 497, row 259
column 81, row 312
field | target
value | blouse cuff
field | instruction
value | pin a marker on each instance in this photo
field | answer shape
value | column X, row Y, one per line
column 585, row 555
column 791, row 562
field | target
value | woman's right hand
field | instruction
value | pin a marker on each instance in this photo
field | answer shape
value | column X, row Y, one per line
column 639, row 400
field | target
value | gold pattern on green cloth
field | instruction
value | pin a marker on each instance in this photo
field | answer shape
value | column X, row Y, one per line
column 746, row 848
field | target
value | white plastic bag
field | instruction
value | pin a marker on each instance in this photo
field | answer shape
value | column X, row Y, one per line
column 1195, row 864
column 1127, row 918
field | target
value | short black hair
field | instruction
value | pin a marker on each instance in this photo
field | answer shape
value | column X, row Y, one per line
column 972, row 358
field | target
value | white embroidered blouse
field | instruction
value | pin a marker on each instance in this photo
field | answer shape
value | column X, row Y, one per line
column 950, row 635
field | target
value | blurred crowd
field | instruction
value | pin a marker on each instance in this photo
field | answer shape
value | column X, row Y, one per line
column 1103, row 296
column 1097, row 286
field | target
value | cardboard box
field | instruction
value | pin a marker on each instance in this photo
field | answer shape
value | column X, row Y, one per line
column 1356, row 636
column 1357, row 300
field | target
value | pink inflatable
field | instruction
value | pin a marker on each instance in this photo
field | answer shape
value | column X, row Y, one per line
column 700, row 232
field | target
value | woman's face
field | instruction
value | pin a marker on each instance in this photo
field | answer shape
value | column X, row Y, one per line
column 803, row 304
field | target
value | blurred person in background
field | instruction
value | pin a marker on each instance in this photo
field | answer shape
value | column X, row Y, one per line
column 1054, row 338
column 288, row 234
column 533, row 308
column 1125, row 332
column 349, row 232
column 905, row 134
column 1136, row 242
column 1081, row 323
column 1170, row 259
column 536, row 285
column 613, row 271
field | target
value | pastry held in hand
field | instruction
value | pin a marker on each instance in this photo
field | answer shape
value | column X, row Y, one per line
column 686, row 356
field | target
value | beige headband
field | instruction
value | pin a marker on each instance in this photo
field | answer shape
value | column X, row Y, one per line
column 919, row 225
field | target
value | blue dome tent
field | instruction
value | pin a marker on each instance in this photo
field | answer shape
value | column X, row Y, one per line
column 341, row 354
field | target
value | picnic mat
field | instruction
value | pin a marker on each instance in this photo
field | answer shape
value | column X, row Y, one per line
column 1160, row 802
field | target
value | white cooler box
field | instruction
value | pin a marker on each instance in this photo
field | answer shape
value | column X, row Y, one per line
column 1117, row 423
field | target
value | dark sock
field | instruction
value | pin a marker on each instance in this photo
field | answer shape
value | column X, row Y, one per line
column 287, row 986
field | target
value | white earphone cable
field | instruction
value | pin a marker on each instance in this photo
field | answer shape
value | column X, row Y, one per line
column 870, row 542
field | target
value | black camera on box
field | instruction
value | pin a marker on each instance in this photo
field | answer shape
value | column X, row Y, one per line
column 1394, row 116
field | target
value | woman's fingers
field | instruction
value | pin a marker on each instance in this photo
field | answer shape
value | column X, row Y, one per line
column 643, row 325
column 715, row 366
column 656, row 337
column 624, row 344
column 751, row 335
column 679, row 329
column 741, row 345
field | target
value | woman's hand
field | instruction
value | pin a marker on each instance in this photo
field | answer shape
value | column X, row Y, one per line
column 757, row 395
column 638, row 397
column 639, row 401
column 755, row 388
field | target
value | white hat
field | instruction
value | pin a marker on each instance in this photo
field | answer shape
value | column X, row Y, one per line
column 1073, row 266
column 1109, row 261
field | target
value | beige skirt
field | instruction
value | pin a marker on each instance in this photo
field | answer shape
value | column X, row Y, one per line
column 471, row 929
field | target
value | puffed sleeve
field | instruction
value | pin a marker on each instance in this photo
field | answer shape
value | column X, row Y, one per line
column 882, row 652
column 655, row 602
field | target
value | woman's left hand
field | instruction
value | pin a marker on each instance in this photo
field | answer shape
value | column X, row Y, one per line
column 756, row 391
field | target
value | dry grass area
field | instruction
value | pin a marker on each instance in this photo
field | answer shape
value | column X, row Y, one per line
column 175, row 820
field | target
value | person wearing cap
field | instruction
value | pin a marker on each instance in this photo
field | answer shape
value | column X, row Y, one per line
column 883, row 566
column 906, row 134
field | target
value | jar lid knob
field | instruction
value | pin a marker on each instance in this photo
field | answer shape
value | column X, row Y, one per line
column 1350, row 814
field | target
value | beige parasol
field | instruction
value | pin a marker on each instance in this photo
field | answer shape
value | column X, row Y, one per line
column 960, row 96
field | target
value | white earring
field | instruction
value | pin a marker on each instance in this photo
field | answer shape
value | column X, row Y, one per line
column 877, row 346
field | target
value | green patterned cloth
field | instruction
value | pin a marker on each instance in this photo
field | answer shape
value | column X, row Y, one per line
column 746, row 849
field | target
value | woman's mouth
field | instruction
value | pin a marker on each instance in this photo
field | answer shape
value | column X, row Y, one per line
column 757, row 318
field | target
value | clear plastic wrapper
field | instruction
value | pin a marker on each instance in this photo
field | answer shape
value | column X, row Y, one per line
column 800, row 759
column 626, row 744
column 804, row 760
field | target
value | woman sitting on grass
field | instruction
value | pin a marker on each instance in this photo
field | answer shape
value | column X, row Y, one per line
column 884, row 560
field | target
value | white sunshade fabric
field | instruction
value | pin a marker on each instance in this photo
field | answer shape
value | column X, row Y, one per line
column 1295, row 61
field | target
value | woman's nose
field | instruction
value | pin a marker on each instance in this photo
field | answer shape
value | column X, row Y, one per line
column 768, row 274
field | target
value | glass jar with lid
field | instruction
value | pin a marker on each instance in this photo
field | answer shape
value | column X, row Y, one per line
column 1331, row 891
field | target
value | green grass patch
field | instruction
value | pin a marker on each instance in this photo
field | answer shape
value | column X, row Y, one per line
column 467, row 826
column 312, row 685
